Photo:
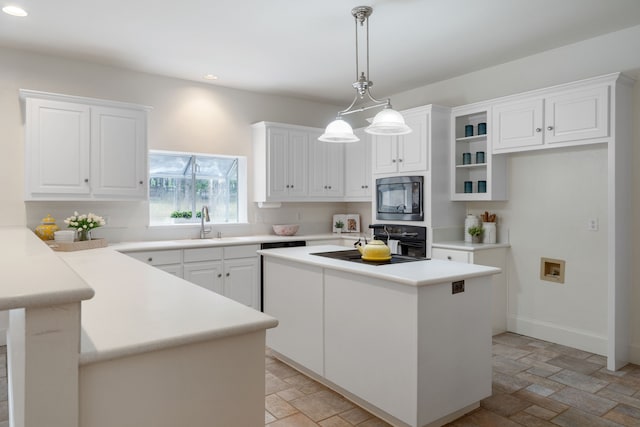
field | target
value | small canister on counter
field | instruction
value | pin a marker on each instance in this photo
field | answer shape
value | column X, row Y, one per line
column 482, row 186
column 46, row 229
column 468, row 186
column 479, row 157
column 482, row 128
column 466, row 158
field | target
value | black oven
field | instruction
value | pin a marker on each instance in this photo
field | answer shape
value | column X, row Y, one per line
column 400, row 198
column 410, row 240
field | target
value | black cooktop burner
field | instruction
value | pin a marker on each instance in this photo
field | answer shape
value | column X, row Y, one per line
column 354, row 256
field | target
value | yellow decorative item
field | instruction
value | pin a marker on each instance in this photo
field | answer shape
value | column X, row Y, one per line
column 375, row 250
column 47, row 228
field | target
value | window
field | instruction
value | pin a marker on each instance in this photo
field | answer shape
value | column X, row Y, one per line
column 181, row 183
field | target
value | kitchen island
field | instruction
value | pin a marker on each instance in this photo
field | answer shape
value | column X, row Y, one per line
column 99, row 339
column 410, row 342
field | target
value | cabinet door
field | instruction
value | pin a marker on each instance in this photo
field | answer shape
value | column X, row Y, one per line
column 57, row 143
column 413, row 147
column 241, row 281
column 318, row 159
column 334, row 169
column 517, row 124
column 385, row 154
column 175, row 269
column 297, row 163
column 357, row 158
column 577, row 115
column 206, row 274
column 277, row 152
column 118, row 152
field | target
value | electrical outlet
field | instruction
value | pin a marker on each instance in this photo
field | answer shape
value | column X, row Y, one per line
column 592, row 225
column 457, row 287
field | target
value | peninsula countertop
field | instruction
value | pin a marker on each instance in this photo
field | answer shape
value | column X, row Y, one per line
column 417, row 273
column 138, row 308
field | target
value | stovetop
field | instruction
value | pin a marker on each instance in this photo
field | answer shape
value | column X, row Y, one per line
column 355, row 256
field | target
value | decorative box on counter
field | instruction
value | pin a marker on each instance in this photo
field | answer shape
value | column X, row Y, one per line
column 77, row 246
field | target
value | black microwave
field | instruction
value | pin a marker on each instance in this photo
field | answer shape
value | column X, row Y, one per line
column 400, row 198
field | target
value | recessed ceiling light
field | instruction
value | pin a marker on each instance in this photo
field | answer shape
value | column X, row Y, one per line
column 210, row 77
column 14, row 11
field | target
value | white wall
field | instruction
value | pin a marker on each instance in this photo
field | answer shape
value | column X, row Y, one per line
column 186, row 116
column 554, row 193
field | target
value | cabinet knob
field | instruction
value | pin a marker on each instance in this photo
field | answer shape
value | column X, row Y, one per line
column 399, row 160
column 149, row 259
column 538, row 129
column 549, row 127
column 449, row 257
column 325, row 187
column 86, row 180
column 291, row 186
column 141, row 182
column 393, row 161
column 362, row 186
column 227, row 274
column 329, row 187
column 287, row 185
column 219, row 274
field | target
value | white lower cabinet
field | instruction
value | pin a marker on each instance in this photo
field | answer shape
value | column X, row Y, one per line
column 232, row 271
column 293, row 294
column 495, row 257
column 169, row 260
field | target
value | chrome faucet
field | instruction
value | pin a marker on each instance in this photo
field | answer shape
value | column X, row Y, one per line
column 204, row 215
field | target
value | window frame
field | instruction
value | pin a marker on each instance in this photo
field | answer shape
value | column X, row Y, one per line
column 242, row 188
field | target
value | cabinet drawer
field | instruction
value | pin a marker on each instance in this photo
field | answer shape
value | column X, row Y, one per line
column 451, row 255
column 202, row 254
column 158, row 257
column 242, row 251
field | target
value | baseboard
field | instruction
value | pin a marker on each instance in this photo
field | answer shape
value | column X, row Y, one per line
column 576, row 338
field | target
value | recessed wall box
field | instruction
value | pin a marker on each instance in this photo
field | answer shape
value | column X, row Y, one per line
column 552, row 270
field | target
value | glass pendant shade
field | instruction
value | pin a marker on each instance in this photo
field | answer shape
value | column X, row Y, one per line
column 339, row 131
column 388, row 122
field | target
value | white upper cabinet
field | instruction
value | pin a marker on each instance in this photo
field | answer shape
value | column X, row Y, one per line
column 357, row 182
column 119, row 152
column 84, row 149
column 572, row 114
column 326, row 168
column 404, row 153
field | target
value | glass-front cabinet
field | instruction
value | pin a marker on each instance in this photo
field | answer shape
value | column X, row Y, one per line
column 475, row 174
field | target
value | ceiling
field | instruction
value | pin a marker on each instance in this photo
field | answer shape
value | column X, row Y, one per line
column 304, row 49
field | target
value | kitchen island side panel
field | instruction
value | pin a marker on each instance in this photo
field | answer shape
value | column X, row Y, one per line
column 370, row 341
column 293, row 294
column 454, row 350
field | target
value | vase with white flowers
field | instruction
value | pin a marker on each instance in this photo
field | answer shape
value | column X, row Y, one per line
column 84, row 224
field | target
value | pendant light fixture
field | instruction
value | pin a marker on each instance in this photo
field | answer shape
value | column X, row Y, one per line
column 386, row 122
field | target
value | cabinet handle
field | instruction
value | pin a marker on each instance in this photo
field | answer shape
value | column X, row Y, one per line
column 86, row 180
column 149, row 259
column 549, row 127
column 538, row 130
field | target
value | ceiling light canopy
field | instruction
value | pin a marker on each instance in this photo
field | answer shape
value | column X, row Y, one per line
column 387, row 121
column 14, row 11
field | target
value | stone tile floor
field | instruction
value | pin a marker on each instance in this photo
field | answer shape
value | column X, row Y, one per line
column 535, row 384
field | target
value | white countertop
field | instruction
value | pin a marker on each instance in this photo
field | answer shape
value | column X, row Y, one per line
column 225, row 241
column 32, row 275
column 464, row 246
column 417, row 273
column 139, row 308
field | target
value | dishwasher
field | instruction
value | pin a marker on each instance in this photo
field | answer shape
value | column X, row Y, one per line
column 272, row 245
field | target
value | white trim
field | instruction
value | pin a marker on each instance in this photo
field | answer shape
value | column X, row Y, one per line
column 547, row 331
column 28, row 93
